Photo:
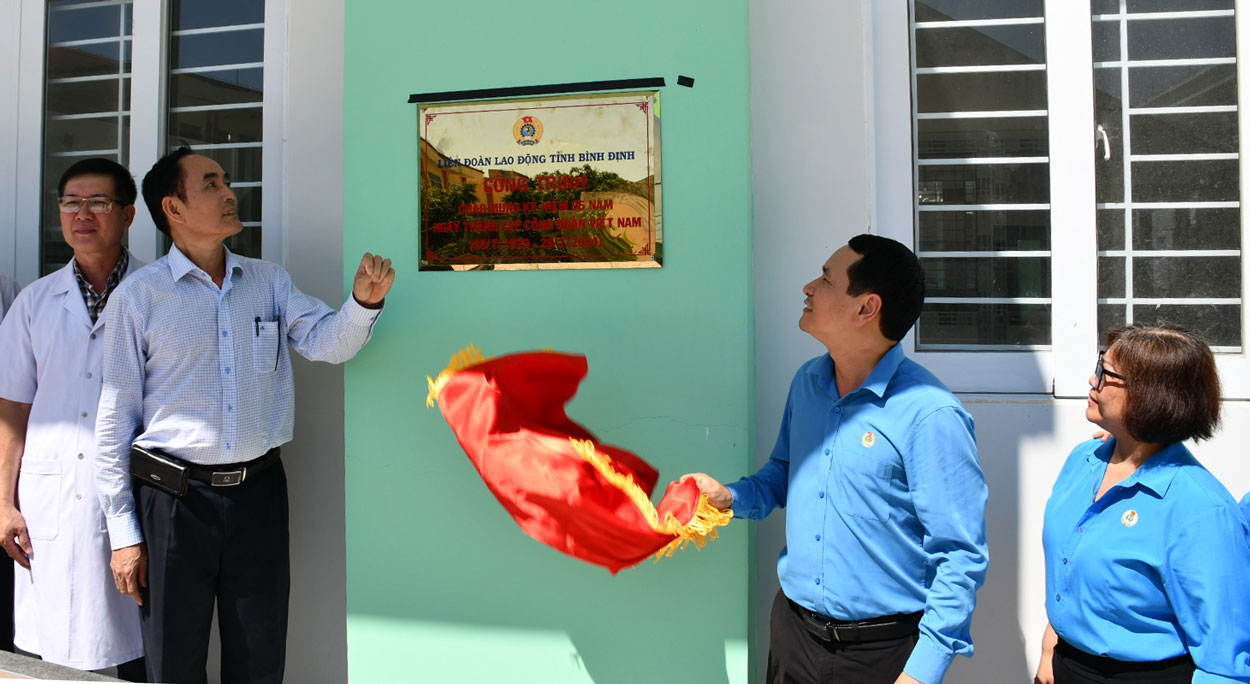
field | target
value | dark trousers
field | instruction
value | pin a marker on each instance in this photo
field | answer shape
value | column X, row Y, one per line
column 132, row 671
column 1073, row 666
column 6, row 603
column 796, row 656
column 223, row 545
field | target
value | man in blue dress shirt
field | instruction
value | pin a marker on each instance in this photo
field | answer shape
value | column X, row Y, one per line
column 197, row 367
column 877, row 463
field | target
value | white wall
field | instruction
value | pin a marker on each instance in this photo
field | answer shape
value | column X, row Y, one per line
column 812, row 147
column 313, row 217
column 811, row 189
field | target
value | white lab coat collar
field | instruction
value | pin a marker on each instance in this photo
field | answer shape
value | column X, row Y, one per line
column 66, row 284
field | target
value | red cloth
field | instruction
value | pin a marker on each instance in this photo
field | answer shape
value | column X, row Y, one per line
column 508, row 414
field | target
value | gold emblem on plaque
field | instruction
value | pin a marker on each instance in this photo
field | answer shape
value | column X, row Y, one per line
column 527, row 130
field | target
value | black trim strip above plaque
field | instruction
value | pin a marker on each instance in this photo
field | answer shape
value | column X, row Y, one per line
column 515, row 91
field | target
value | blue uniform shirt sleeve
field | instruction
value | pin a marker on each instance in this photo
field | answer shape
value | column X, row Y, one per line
column 1206, row 579
column 756, row 496
column 949, row 494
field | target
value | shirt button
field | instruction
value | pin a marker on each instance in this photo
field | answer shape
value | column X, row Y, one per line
column 1058, row 598
column 78, row 496
column 93, row 336
column 826, row 452
column 229, row 407
column 819, row 494
column 80, row 457
column 1081, row 529
column 1065, row 561
column 84, row 414
column 817, row 580
column 837, row 409
column 88, row 375
column 223, row 333
column 818, row 537
column 227, row 370
column 227, row 445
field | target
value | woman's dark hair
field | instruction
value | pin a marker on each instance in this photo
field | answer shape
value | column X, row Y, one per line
column 163, row 180
column 888, row 269
column 1173, row 389
column 123, row 183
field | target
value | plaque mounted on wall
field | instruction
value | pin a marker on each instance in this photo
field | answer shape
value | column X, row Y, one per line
column 552, row 182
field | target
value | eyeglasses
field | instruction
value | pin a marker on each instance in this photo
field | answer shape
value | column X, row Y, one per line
column 1100, row 373
column 96, row 205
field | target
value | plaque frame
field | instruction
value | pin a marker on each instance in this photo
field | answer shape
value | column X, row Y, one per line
column 557, row 182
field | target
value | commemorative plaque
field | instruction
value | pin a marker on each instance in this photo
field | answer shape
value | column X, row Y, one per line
column 554, row 182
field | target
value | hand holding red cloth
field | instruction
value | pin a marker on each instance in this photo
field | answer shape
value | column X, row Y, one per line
column 561, row 485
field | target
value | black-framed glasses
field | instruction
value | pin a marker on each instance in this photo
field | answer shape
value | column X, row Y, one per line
column 96, row 205
column 1100, row 372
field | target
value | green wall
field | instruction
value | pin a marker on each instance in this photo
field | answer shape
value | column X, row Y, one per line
column 442, row 585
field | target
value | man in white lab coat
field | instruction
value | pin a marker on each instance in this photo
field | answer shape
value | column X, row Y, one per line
column 66, row 609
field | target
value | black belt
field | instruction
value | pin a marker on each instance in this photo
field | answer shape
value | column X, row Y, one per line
column 842, row 631
column 1111, row 666
column 234, row 473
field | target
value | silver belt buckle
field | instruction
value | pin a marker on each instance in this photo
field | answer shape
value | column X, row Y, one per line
column 229, row 478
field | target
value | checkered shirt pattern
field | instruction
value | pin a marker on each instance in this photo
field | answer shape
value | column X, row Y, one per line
column 205, row 373
column 95, row 302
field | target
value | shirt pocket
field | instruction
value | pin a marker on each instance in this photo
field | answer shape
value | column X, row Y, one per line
column 864, row 486
column 265, row 347
column 39, row 495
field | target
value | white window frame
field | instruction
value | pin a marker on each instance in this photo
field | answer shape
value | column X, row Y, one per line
column 148, row 118
column 1064, row 369
column 10, row 54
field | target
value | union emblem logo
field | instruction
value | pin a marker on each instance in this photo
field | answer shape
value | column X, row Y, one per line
column 527, row 130
column 1129, row 518
column 868, row 440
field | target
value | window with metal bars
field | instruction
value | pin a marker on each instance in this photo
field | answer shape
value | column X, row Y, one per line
column 86, row 102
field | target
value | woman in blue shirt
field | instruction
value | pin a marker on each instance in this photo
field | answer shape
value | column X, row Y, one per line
column 1146, row 553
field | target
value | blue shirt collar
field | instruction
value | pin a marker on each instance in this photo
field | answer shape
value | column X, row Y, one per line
column 877, row 380
column 1157, row 473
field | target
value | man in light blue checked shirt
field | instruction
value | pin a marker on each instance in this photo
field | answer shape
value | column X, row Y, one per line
column 876, row 462
column 197, row 371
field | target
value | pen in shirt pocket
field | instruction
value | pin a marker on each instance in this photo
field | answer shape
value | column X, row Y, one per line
column 258, row 326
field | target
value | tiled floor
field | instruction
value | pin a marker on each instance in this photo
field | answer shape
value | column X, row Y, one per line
column 15, row 666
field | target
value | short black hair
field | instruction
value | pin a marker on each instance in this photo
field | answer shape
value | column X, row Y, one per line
column 1172, row 386
column 123, row 182
column 888, row 269
column 164, row 180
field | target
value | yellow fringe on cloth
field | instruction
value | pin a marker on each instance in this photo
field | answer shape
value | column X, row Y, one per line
column 700, row 529
column 469, row 356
